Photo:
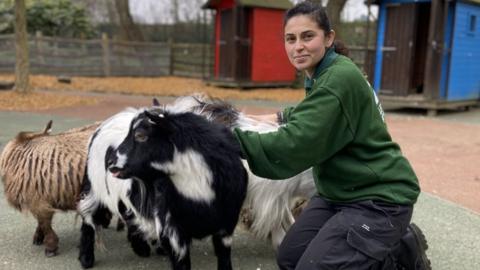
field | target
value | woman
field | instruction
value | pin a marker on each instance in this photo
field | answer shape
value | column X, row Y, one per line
column 366, row 189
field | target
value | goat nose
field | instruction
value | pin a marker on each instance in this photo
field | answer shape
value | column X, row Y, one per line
column 110, row 162
column 110, row 157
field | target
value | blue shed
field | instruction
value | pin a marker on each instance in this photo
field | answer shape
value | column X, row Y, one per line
column 428, row 53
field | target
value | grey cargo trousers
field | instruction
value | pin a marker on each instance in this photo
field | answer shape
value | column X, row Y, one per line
column 359, row 235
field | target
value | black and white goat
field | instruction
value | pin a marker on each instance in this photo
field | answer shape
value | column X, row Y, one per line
column 267, row 211
column 194, row 178
column 213, row 210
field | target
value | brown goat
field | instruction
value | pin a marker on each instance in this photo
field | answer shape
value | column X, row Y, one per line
column 43, row 173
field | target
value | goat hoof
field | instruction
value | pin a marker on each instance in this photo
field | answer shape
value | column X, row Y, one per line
column 161, row 251
column 86, row 261
column 120, row 225
column 143, row 251
column 37, row 241
column 51, row 253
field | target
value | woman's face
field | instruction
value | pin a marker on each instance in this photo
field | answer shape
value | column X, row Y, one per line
column 305, row 43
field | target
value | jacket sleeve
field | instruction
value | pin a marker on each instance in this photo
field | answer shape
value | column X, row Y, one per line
column 287, row 112
column 316, row 129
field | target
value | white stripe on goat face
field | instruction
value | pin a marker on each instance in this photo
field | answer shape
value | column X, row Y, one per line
column 135, row 125
column 190, row 175
column 121, row 160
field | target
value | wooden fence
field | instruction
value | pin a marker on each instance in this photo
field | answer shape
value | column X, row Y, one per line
column 106, row 57
column 364, row 58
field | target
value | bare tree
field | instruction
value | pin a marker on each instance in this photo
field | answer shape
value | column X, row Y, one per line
column 334, row 9
column 22, row 65
column 130, row 30
column 113, row 17
column 175, row 11
column 175, row 15
column 97, row 10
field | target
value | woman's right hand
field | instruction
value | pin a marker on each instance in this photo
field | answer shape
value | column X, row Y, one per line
column 266, row 118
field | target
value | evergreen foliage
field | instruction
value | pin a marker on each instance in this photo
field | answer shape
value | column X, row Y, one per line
column 60, row 18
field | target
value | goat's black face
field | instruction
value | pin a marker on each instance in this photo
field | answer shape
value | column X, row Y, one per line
column 134, row 156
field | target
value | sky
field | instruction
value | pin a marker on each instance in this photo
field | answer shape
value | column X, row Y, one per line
column 158, row 11
column 354, row 9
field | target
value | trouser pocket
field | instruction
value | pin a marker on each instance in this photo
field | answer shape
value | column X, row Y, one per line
column 367, row 244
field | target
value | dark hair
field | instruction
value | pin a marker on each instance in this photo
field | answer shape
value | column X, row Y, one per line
column 318, row 14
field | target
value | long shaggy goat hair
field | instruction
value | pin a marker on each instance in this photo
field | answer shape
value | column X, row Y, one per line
column 198, row 182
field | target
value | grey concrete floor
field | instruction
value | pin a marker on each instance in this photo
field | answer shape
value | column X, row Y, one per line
column 453, row 232
column 18, row 252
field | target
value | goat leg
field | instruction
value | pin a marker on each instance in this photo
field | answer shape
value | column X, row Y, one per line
column 38, row 236
column 50, row 238
column 87, row 243
column 139, row 245
column 136, row 238
column 120, row 225
column 91, row 219
column 222, row 246
column 179, row 256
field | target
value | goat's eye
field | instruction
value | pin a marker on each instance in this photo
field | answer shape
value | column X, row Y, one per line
column 140, row 136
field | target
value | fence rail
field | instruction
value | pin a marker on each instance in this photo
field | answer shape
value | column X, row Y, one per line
column 107, row 57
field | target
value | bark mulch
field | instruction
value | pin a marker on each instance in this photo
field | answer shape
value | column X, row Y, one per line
column 161, row 86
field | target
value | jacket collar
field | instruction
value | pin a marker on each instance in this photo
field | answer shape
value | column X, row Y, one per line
column 326, row 61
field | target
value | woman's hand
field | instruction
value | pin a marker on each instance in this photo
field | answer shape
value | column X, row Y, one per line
column 266, row 118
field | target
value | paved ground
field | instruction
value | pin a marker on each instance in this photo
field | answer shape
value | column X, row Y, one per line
column 452, row 226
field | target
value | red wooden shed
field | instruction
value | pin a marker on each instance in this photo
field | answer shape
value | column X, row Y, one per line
column 249, row 49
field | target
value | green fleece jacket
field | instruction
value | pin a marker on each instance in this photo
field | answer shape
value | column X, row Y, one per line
column 339, row 130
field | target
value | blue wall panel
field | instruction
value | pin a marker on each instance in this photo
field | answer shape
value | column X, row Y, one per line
column 464, row 75
column 377, row 74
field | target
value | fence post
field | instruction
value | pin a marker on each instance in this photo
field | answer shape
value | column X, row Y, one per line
column 106, row 55
column 83, row 44
column 172, row 58
column 204, row 42
column 55, row 46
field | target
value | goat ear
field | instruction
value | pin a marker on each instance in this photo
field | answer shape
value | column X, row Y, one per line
column 155, row 102
column 160, row 121
column 155, row 118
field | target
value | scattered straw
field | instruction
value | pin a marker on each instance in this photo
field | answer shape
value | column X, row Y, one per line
column 13, row 101
column 160, row 86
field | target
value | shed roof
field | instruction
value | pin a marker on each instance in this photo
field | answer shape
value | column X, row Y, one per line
column 276, row 4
